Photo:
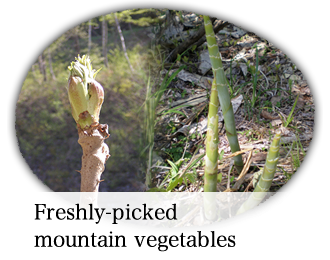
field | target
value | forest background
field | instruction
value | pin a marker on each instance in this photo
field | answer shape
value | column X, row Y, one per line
column 119, row 44
column 44, row 159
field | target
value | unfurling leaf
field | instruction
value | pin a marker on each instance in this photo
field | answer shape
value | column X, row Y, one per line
column 86, row 95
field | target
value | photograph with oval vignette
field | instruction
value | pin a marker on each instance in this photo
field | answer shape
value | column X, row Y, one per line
column 163, row 101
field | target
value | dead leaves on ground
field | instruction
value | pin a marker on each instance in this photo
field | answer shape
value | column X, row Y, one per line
column 279, row 82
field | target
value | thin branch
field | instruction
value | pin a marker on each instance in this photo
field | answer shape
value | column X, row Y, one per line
column 123, row 42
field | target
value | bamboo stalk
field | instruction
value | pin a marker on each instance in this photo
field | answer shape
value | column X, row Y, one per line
column 223, row 93
column 266, row 178
column 212, row 140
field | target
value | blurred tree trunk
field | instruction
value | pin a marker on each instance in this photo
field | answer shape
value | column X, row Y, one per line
column 105, row 40
column 50, row 65
column 123, row 42
column 89, row 36
column 42, row 66
column 77, row 46
column 134, row 34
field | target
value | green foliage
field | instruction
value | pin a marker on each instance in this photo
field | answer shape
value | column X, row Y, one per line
column 178, row 174
column 254, row 70
column 221, row 154
column 139, row 17
column 45, row 129
column 185, row 59
column 120, row 77
column 250, row 134
column 149, row 107
column 174, row 110
column 174, row 174
column 176, row 150
column 268, row 105
column 57, row 179
column 184, row 92
column 232, row 178
column 296, row 154
column 289, row 119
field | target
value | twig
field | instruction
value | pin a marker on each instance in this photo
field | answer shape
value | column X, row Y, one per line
column 123, row 42
column 236, row 153
column 230, row 167
column 192, row 160
column 240, row 178
column 265, row 78
column 249, row 185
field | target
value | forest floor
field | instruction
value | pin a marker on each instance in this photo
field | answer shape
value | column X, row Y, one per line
column 280, row 98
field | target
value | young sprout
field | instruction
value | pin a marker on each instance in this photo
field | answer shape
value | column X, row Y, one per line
column 86, row 96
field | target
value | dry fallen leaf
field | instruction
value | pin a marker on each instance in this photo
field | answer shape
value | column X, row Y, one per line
column 268, row 115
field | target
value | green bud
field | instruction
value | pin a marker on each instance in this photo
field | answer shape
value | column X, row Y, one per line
column 85, row 120
column 96, row 97
column 78, row 97
column 85, row 93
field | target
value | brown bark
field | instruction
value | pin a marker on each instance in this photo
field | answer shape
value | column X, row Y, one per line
column 123, row 42
column 89, row 36
column 50, row 65
column 95, row 154
column 42, row 66
column 105, row 40
column 76, row 43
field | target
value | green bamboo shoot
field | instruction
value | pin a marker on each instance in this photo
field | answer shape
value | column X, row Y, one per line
column 223, row 93
column 266, row 178
column 212, row 140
